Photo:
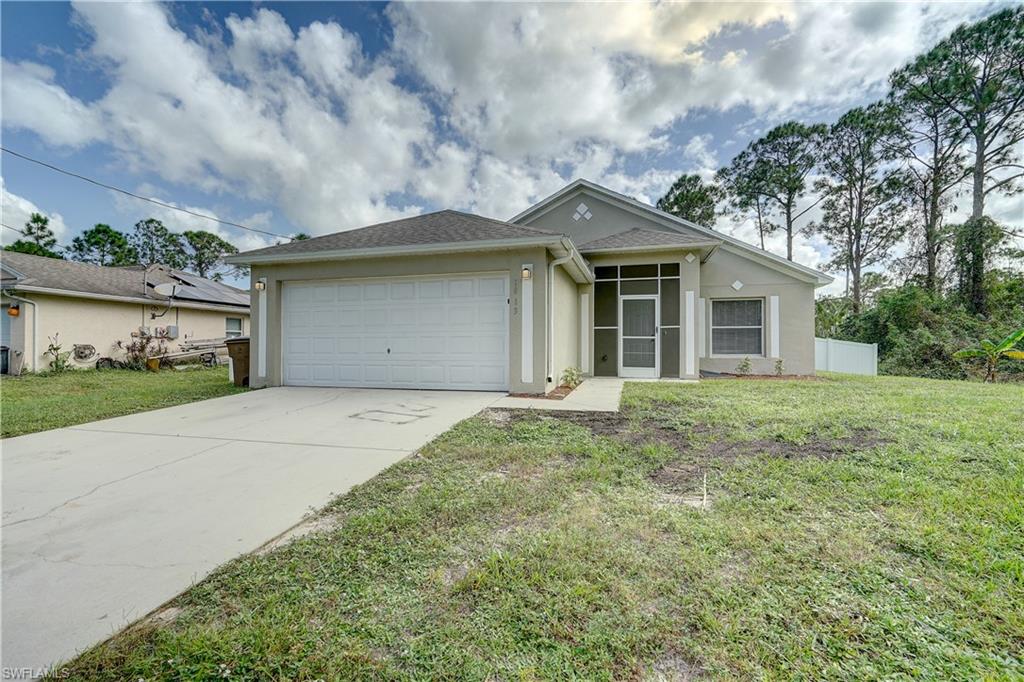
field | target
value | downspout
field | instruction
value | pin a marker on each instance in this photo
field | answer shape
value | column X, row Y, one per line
column 551, row 315
column 35, row 325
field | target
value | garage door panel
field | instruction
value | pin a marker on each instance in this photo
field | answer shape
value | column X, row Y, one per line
column 462, row 316
column 430, row 315
column 375, row 292
column 430, row 290
column 350, row 374
column 492, row 374
column 404, row 374
column 324, row 318
column 324, row 346
column 350, row 292
column 349, row 345
column 490, row 316
column 325, row 294
column 460, row 288
column 492, row 287
column 442, row 332
column 350, row 317
column 375, row 317
column 403, row 317
column 403, row 291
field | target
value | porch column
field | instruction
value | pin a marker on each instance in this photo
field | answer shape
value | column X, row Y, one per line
column 689, row 362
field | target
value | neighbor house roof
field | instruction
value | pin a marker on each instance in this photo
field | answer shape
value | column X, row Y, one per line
column 638, row 239
column 678, row 224
column 24, row 272
column 438, row 232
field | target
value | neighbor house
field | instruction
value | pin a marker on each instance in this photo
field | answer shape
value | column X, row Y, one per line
column 89, row 308
column 586, row 278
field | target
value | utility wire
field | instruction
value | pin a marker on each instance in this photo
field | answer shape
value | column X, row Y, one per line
column 142, row 198
column 23, row 234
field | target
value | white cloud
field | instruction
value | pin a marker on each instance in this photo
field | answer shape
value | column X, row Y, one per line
column 33, row 101
column 16, row 210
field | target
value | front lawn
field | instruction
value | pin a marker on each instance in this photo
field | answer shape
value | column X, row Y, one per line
column 848, row 528
column 33, row 403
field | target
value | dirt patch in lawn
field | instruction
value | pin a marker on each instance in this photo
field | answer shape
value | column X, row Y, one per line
column 683, row 480
column 815, row 447
column 673, row 667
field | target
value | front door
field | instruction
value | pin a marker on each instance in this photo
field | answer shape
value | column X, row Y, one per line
column 638, row 336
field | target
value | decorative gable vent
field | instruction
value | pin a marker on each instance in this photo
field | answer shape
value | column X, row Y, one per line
column 582, row 212
column 737, row 285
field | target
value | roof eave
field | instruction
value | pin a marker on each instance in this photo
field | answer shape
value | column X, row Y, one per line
column 696, row 246
column 176, row 303
column 385, row 251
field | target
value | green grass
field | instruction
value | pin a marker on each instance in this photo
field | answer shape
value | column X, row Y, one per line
column 531, row 549
column 38, row 402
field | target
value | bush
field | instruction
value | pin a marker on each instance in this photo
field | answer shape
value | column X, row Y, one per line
column 918, row 332
column 744, row 366
column 55, row 350
column 140, row 349
column 572, row 377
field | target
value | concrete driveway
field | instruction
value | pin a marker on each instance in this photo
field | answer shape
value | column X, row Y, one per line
column 104, row 522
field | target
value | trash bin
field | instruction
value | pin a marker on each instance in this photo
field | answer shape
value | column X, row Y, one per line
column 238, row 351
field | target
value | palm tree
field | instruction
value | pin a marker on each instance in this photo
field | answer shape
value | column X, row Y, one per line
column 992, row 352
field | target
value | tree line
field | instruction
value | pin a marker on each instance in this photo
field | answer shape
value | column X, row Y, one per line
column 149, row 242
column 891, row 172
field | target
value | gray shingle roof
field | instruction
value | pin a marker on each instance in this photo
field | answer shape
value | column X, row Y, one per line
column 441, row 227
column 136, row 281
column 639, row 237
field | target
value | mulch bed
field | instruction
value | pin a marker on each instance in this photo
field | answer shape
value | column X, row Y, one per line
column 555, row 394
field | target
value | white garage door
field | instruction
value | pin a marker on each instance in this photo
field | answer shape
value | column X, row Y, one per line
column 437, row 332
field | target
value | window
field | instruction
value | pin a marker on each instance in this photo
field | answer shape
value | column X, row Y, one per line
column 233, row 327
column 737, row 327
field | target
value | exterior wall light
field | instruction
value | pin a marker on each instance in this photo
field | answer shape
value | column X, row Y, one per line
column 527, row 273
column 261, row 284
column 14, row 310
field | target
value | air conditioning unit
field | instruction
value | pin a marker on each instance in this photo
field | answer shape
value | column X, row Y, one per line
column 144, row 331
column 171, row 331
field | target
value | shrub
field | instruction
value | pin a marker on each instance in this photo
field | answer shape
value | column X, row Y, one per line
column 744, row 366
column 572, row 377
column 55, row 350
column 780, row 367
column 140, row 349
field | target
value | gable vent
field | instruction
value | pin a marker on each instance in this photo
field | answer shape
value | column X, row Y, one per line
column 582, row 212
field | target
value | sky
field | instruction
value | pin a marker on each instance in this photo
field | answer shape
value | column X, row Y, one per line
column 320, row 117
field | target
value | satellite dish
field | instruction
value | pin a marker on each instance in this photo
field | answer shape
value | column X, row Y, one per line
column 166, row 289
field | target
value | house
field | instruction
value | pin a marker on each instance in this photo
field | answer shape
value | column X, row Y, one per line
column 586, row 278
column 90, row 308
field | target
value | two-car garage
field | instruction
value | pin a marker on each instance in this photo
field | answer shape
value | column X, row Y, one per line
column 437, row 332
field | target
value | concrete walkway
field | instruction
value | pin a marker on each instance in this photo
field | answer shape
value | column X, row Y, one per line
column 595, row 394
column 104, row 522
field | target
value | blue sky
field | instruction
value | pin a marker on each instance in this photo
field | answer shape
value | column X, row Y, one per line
column 326, row 116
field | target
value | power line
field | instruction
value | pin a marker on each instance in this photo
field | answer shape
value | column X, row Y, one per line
column 21, row 232
column 141, row 198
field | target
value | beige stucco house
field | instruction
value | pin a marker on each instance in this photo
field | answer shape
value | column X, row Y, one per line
column 89, row 308
column 586, row 278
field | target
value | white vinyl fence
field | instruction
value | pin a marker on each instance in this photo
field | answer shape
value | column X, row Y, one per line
column 831, row 355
